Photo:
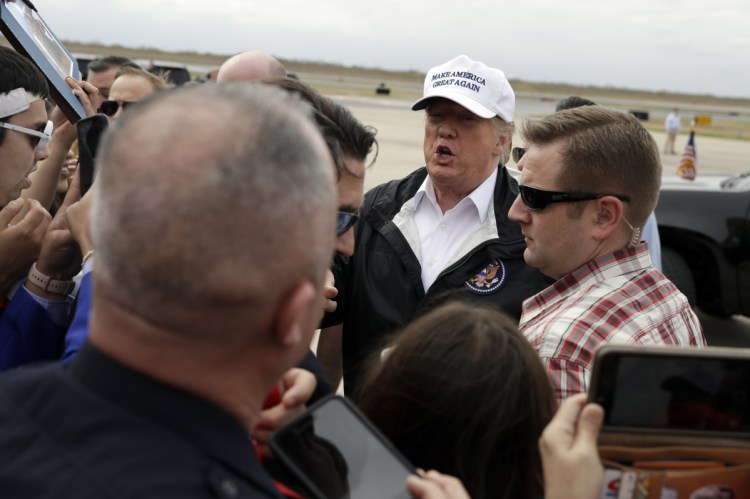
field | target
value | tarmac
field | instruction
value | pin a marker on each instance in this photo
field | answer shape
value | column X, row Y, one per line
column 400, row 133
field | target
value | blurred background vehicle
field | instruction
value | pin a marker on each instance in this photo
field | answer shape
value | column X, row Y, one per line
column 704, row 226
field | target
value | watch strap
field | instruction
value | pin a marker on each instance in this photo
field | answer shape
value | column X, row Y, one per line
column 49, row 285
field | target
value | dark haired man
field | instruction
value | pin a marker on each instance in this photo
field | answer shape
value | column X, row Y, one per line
column 34, row 314
column 101, row 73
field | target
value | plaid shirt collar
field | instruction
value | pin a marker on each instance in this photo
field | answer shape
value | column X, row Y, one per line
column 621, row 262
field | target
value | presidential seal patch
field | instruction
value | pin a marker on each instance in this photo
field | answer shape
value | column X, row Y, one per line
column 489, row 280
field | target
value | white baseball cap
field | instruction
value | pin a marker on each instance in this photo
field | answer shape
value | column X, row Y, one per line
column 483, row 91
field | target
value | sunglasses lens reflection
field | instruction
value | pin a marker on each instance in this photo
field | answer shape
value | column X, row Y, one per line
column 344, row 221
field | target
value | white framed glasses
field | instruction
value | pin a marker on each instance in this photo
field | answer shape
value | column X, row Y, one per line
column 39, row 139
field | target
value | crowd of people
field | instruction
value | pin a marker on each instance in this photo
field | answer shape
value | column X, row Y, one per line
column 157, row 329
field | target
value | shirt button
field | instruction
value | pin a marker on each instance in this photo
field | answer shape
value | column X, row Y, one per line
column 443, row 227
column 431, row 263
column 229, row 488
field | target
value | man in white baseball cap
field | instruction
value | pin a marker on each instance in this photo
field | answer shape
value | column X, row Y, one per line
column 442, row 231
column 483, row 91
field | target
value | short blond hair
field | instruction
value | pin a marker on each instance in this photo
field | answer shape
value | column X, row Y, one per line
column 157, row 81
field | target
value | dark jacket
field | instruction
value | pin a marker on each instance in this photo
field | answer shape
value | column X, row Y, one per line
column 380, row 287
column 95, row 428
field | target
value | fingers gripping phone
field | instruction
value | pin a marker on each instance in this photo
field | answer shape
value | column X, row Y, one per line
column 336, row 452
column 703, row 392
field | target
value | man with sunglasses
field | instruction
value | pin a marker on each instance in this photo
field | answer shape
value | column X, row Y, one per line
column 101, row 73
column 130, row 85
column 589, row 179
column 442, row 232
column 24, row 134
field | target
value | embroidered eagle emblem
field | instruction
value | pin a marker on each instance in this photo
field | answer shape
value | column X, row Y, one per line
column 489, row 280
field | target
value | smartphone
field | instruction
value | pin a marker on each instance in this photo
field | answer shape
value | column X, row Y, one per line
column 30, row 36
column 701, row 392
column 90, row 132
column 336, row 452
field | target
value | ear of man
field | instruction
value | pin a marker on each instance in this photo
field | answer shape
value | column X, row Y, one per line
column 293, row 318
column 606, row 217
column 503, row 143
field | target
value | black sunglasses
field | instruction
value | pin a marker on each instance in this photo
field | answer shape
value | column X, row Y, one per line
column 517, row 153
column 537, row 199
column 110, row 107
column 344, row 221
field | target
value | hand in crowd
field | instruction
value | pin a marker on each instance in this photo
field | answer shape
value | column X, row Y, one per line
column 64, row 134
column 572, row 469
column 64, row 131
column 330, row 292
column 78, row 217
column 60, row 255
column 295, row 389
column 434, row 485
column 23, row 224
column 87, row 93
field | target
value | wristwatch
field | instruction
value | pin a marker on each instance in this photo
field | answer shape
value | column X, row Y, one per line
column 49, row 285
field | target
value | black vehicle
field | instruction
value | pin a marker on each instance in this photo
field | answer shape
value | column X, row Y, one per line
column 175, row 74
column 704, row 227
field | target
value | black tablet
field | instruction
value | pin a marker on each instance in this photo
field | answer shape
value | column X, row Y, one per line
column 688, row 391
column 337, row 453
column 29, row 35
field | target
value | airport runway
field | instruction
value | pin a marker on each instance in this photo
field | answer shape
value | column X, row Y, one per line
column 400, row 133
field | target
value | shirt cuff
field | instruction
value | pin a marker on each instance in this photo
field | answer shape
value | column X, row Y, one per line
column 57, row 310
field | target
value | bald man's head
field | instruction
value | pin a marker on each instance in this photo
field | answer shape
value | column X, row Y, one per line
column 250, row 66
column 231, row 183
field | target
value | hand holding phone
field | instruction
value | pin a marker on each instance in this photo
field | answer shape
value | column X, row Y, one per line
column 701, row 392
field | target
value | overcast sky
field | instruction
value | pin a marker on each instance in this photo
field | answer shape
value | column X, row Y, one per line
column 694, row 46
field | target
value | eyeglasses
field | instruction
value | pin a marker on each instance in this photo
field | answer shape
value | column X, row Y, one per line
column 517, row 153
column 110, row 107
column 537, row 199
column 38, row 140
column 344, row 221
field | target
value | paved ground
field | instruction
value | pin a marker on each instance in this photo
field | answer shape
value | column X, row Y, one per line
column 400, row 134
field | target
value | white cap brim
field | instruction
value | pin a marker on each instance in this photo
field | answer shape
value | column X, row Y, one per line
column 460, row 99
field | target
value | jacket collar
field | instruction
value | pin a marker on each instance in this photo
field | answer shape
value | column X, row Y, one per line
column 387, row 200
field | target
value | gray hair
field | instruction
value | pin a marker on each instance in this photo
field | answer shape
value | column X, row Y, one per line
column 212, row 197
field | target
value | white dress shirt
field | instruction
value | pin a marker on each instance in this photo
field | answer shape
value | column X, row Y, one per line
column 442, row 236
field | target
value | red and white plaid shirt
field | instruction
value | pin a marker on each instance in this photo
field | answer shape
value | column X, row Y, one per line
column 617, row 298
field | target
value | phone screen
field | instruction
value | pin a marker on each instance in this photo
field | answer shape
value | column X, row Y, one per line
column 334, row 448
column 674, row 393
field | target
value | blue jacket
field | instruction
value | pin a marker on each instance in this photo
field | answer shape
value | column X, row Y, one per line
column 27, row 333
